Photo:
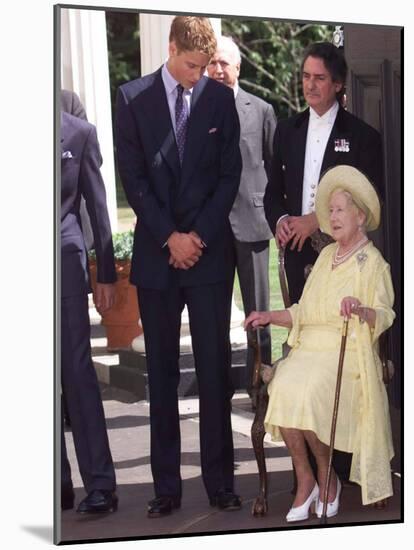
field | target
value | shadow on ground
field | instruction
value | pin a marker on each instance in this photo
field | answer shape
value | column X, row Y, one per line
column 197, row 517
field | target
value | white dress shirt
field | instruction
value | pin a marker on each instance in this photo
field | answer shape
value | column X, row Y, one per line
column 319, row 130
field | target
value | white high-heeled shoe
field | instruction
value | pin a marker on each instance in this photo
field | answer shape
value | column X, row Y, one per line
column 300, row 513
column 333, row 507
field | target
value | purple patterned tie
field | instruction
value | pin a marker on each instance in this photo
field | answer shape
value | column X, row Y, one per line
column 180, row 121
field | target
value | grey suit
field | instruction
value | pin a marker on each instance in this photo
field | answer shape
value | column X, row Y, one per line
column 70, row 103
column 250, row 229
column 80, row 176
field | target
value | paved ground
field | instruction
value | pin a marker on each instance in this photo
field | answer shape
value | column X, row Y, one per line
column 128, row 428
column 129, row 438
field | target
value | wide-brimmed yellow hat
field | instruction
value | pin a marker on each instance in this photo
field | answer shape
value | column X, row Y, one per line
column 358, row 185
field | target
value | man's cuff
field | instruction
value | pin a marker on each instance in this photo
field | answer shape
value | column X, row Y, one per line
column 166, row 242
column 281, row 218
column 198, row 235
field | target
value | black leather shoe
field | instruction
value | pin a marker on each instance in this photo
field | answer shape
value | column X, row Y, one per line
column 67, row 497
column 97, row 502
column 162, row 506
column 226, row 500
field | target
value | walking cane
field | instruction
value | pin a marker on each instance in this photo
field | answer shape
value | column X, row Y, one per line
column 323, row 520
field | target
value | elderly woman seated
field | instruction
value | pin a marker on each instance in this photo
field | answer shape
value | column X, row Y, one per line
column 349, row 279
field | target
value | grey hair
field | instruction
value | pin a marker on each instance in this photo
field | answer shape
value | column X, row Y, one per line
column 357, row 204
column 227, row 43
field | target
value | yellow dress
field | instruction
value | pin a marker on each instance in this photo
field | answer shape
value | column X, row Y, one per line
column 301, row 394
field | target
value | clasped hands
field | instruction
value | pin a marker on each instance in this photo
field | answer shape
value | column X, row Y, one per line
column 297, row 229
column 185, row 249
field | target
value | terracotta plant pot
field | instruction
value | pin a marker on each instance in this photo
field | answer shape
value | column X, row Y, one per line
column 121, row 321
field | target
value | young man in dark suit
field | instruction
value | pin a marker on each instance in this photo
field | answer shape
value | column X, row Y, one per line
column 177, row 136
column 305, row 146
column 248, row 222
column 80, row 177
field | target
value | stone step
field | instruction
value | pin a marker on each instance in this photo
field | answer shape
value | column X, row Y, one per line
column 131, row 372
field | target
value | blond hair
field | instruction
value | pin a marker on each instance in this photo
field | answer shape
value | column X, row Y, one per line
column 193, row 34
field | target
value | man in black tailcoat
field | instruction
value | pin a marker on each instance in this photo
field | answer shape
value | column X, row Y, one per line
column 305, row 146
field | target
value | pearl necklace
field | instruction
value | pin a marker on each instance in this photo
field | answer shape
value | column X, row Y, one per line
column 341, row 258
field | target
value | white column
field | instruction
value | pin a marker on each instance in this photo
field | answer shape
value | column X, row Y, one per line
column 85, row 70
column 216, row 24
column 154, row 32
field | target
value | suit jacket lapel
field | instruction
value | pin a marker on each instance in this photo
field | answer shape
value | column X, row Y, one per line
column 197, row 131
column 160, row 124
column 339, row 131
column 62, row 137
column 299, row 148
column 243, row 105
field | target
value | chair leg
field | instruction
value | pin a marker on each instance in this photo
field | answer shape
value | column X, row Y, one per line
column 259, row 507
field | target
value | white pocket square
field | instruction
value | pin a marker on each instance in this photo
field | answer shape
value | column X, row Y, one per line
column 67, row 155
column 212, row 130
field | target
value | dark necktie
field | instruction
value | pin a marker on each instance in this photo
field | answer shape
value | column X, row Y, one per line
column 180, row 121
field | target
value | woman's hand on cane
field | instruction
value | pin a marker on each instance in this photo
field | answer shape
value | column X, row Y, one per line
column 256, row 319
column 352, row 306
column 349, row 306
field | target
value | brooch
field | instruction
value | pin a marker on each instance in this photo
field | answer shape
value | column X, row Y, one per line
column 342, row 146
column 67, row 155
column 361, row 258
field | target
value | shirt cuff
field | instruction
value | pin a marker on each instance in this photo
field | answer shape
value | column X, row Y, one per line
column 281, row 218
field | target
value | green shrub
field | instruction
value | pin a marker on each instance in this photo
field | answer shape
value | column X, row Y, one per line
column 123, row 243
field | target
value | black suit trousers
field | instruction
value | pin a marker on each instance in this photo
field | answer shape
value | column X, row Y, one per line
column 209, row 308
column 253, row 271
column 81, row 389
column 295, row 263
